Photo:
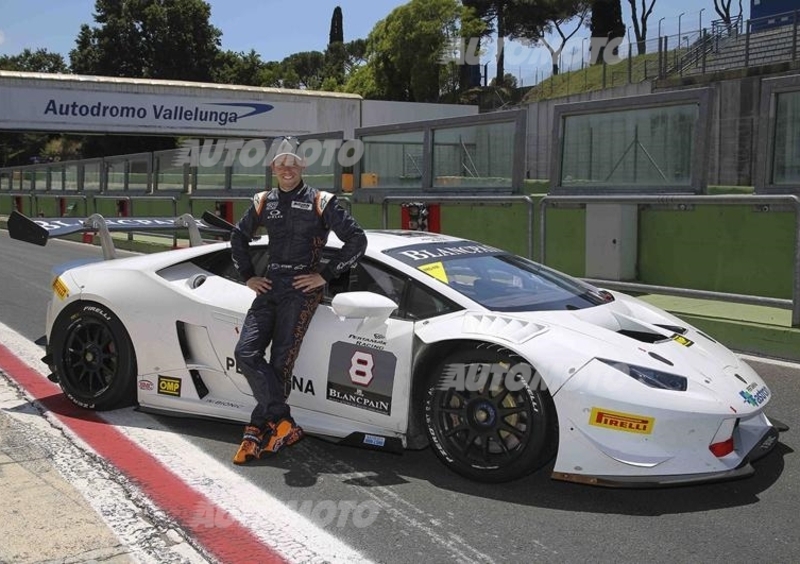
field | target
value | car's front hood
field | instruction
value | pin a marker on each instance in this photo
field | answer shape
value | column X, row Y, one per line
column 627, row 330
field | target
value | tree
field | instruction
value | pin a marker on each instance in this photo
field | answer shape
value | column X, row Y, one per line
column 606, row 25
column 304, row 70
column 640, row 23
column 404, row 52
column 336, row 53
column 248, row 69
column 336, row 34
column 723, row 9
column 148, row 39
column 20, row 148
column 514, row 19
column 40, row 60
column 553, row 18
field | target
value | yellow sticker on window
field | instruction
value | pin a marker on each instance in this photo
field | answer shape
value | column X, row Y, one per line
column 435, row 269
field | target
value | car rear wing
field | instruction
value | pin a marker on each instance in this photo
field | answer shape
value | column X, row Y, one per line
column 39, row 230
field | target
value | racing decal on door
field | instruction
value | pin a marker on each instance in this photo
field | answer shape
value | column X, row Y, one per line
column 169, row 386
column 621, row 421
column 361, row 377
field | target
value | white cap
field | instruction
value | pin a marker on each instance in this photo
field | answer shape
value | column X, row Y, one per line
column 287, row 147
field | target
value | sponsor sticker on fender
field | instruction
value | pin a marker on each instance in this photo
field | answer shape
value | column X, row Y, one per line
column 681, row 340
column 169, row 386
column 60, row 289
column 619, row 421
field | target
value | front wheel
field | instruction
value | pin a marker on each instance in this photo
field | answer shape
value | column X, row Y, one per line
column 483, row 421
column 93, row 357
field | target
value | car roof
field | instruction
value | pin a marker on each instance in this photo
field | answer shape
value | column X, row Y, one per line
column 385, row 239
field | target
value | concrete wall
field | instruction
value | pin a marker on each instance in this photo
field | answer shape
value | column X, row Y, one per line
column 735, row 122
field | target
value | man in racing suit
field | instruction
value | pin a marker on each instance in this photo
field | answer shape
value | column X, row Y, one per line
column 297, row 219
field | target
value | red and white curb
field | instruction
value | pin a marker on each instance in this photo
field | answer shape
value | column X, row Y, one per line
column 141, row 478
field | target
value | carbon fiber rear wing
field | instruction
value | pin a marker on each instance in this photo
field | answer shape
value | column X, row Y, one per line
column 39, row 230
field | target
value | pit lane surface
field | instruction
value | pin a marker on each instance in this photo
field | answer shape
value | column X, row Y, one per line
column 409, row 508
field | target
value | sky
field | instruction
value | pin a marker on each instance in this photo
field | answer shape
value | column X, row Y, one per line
column 278, row 28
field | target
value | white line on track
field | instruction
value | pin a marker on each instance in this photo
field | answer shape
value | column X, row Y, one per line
column 294, row 536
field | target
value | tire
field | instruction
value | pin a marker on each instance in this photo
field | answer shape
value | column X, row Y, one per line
column 468, row 431
column 93, row 357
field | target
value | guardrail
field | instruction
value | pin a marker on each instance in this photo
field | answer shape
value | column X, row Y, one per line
column 792, row 201
column 461, row 200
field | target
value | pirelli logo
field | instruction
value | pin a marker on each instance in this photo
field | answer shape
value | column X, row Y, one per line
column 621, row 421
column 169, row 386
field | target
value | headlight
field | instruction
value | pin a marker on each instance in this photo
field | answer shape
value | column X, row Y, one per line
column 650, row 377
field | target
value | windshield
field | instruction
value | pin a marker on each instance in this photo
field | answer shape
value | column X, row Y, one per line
column 500, row 281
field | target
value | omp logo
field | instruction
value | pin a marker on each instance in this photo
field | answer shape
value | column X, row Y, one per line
column 621, row 421
column 169, row 386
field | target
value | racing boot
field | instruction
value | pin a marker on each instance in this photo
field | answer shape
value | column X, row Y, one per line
column 281, row 434
column 251, row 445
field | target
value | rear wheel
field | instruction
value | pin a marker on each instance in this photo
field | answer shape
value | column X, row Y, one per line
column 486, row 429
column 93, row 357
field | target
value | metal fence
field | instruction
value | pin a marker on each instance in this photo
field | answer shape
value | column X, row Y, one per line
column 721, row 46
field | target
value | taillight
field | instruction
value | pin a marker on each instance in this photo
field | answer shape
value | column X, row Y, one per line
column 722, row 443
column 721, row 449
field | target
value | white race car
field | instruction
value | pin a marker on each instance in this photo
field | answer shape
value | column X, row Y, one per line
column 497, row 362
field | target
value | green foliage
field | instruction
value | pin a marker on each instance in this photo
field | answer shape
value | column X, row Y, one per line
column 404, row 53
column 336, row 34
column 304, row 70
column 148, row 39
column 40, row 60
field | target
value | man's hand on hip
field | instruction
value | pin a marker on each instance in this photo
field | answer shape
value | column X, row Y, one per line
column 308, row 282
column 259, row 284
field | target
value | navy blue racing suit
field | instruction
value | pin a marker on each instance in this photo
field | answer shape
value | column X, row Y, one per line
column 297, row 224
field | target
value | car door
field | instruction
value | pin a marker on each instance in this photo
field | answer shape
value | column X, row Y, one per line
column 354, row 368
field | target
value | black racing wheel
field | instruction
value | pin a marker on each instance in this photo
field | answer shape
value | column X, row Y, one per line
column 93, row 357
column 490, row 432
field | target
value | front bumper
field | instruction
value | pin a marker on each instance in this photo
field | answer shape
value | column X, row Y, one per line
column 745, row 469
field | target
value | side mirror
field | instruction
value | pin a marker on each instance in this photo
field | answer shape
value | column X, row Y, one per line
column 374, row 308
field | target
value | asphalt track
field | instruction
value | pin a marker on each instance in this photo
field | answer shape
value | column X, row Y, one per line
column 319, row 502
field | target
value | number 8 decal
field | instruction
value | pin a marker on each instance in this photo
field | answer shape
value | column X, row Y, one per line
column 361, row 364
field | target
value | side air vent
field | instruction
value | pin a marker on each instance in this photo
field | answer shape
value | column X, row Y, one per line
column 674, row 328
column 642, row 336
